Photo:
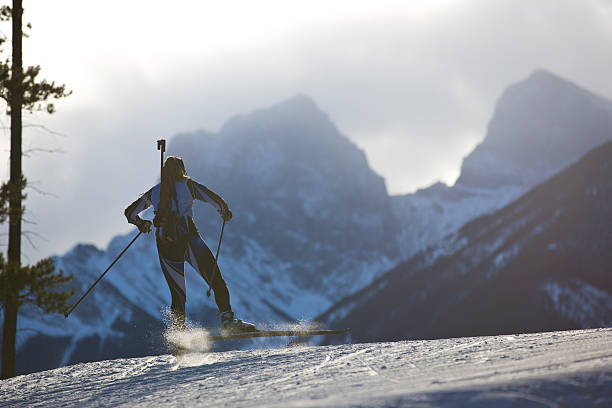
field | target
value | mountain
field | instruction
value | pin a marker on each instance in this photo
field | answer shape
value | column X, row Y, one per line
column 534, row 133
column 308, row 211
column 539, row 127
column 312, row 223
column 541, row 263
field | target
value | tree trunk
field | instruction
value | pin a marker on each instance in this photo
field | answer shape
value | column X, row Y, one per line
column 9, row 332
column 14, row 244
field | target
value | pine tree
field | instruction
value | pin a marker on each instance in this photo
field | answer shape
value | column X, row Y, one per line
column 38, row 284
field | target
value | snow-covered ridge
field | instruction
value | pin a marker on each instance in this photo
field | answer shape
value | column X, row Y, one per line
column 551, row 369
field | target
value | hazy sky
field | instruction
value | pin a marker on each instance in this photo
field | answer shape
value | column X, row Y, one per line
column 413, row 83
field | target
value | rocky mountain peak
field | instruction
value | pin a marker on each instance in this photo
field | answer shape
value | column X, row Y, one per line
column 298, row 189
column 286, row 121
column 540, row 126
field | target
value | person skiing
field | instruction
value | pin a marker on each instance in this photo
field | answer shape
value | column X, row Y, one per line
column 178, row 239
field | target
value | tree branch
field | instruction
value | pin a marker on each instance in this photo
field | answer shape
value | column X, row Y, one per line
column 27, row 237
column 28, row 234
column 42, row 192
column 46, row 129
column 27, row 152
column 26, row 221
column 40, row 127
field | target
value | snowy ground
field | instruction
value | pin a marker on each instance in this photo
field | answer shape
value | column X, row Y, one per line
column 572, row 368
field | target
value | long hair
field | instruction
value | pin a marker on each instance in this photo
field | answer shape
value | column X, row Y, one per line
column 173, row 172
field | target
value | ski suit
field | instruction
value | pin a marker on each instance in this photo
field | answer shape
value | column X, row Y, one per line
column 189, row 247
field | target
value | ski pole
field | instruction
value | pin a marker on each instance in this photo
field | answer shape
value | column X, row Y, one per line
column 216, row 258
column 67, row 312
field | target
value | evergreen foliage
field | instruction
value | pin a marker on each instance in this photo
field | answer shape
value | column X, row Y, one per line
column 7, row 190
column 38, row 284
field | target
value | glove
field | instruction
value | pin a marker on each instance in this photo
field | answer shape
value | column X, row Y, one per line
column 145, row 226
column 226, row 214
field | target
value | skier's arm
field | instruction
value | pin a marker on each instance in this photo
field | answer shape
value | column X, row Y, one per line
column 138, row 206
column 200, row 192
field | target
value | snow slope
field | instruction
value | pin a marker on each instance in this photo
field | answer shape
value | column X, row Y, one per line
column 572, row 368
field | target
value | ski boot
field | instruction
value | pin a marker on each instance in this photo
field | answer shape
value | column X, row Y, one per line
column 233, row 325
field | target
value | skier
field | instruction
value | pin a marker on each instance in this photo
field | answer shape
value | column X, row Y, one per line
column 178, row 239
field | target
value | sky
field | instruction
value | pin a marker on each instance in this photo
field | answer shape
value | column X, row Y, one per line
column 412, row 83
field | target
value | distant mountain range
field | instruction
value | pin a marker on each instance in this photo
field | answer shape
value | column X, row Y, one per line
column 541, row 263
column 539, row 126
column 313, row 224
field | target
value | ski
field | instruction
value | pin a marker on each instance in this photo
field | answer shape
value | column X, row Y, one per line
column 177, row 349
column 274, row 333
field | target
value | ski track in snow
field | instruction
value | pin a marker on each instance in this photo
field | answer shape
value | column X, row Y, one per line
column 572, row 368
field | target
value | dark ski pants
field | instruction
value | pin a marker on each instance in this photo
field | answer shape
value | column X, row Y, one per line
column 172, row 259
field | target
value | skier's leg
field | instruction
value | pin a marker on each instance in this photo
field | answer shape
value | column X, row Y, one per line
column 174, row 272
column 202, row 260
